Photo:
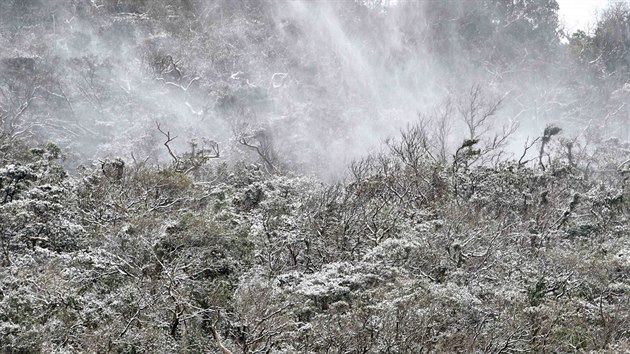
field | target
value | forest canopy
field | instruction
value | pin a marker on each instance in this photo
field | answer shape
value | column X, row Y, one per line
column 359, row 176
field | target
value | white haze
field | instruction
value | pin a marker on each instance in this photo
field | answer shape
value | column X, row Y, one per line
column 332, row 93
column 580, row 14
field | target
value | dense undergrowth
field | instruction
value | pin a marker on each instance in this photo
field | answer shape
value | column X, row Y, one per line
column 408, row 255
column 175, row 177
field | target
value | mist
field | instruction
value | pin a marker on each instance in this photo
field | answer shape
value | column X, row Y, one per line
column 320, row 84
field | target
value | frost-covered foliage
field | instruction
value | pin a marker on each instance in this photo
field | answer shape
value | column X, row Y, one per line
column 411, row 254
column 37, row 206
column 442, row 240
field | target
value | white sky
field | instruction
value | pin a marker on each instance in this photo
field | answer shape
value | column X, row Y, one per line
column 579, row 14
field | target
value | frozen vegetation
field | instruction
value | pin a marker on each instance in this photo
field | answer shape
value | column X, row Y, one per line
column 355, row 176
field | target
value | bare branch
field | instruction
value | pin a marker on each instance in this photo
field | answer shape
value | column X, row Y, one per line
column 133, row 319
column 527, row 147
column 185, row 89
column 168, row 140
column 264, row 151
column 217, row 338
